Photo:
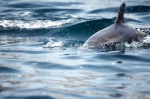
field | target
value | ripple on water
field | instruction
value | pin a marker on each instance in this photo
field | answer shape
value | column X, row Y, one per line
column 29, row 97
column 40, row 58
column 4, row 69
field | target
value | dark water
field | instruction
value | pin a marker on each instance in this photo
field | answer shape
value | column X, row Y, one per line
column 41, row 55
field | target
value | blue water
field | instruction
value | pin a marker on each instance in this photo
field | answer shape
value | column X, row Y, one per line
column 41, row 53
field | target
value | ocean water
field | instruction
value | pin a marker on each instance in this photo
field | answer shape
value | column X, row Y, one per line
column 41, row 54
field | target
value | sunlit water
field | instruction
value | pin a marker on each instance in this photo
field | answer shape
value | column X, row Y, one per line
column 41, row 53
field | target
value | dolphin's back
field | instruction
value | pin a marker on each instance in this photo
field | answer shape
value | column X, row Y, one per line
column 118, row 32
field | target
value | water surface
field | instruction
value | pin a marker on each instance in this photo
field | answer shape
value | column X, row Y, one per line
column 41, row 54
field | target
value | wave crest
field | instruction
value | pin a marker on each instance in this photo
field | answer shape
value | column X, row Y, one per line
column 35, row 24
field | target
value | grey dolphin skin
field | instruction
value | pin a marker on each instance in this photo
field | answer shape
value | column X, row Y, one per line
column 117, row 32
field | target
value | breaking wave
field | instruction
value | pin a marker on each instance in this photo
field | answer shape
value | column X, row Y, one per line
column 34, row 24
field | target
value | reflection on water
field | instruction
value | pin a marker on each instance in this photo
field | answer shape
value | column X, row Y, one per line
column 30, row 70
column 41, row 53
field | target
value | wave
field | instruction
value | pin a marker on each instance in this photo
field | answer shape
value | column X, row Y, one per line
column 69, row 28
column 138, row 9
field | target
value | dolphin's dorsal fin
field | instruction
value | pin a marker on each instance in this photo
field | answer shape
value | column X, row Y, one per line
column 120, row 17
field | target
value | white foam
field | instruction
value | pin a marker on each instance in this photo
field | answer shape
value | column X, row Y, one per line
column 35, row 24
column 134, row 44
column 146, row 39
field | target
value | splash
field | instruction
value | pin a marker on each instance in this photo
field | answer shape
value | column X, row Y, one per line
column 53, row 43
column 134, row 45
column 146, row 39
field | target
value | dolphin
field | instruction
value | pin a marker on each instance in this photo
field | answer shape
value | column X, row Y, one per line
column 117, row 32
